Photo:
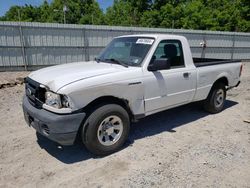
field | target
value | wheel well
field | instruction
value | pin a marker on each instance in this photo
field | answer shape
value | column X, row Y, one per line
column 99, row 102
column 107, row 100
column 223, row 80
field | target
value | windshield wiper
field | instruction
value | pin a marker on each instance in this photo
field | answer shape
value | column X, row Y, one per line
column 117, row 62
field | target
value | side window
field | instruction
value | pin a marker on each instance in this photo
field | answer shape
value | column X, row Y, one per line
column 171, row 50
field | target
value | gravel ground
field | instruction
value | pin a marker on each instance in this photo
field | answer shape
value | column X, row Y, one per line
column 182, row 147
column 7, row 78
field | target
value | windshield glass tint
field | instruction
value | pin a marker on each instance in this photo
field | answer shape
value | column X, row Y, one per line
column 128, row 50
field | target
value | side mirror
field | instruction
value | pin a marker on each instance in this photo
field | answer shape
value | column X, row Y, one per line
column 159, row 64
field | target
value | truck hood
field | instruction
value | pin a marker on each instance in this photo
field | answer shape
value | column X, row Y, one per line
column 58, row 76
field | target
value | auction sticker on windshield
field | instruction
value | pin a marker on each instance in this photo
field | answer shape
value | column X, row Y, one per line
column 145, row 41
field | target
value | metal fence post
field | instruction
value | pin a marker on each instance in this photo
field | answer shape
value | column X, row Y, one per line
column 204, row 45
column 233, row 47
column 23, row 47
column 86, row 45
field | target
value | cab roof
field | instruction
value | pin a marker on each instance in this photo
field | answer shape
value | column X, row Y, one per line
column 156, row 36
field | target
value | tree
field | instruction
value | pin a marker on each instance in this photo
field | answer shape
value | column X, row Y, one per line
column 150, row 18
column 91, row 14
column 45, row 12
column 195, row 15
column 121, row 13
column 171, row 16
column 26, row 13
column 12, row 14
column 78, row 11
column 138, row 7
column 223, row 15
column 158, row 4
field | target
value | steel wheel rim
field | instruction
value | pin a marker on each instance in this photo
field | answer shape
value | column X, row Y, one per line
column 110, row 130
column 219, row 98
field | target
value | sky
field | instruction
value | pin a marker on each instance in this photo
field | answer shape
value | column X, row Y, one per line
column 6, row 4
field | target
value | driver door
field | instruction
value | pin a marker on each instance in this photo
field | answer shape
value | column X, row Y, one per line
column 170, row 87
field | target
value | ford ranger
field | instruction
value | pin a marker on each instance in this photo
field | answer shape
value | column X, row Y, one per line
column 133, row 77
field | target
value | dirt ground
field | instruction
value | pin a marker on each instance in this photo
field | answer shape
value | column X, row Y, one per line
column 182, row 147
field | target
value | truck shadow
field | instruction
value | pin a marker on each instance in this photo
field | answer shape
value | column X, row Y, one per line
column 164, row 121
column 170, row 119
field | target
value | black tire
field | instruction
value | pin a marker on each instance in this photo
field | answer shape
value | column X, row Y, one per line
column 211, row 104
column 90, row 129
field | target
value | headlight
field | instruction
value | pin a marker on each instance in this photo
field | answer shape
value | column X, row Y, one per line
column 57, row 100
column 53, row 99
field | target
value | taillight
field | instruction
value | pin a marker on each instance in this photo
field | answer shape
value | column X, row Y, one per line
column 241, row 67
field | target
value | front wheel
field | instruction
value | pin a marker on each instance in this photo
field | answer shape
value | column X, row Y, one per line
column 106, row 129
column 216, row 98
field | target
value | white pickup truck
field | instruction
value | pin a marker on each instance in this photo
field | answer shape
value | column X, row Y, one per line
column 134, row 76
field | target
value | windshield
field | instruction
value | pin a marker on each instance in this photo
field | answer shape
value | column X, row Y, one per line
column 128, row 51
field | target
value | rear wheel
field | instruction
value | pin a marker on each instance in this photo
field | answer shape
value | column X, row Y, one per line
column 106, row 129
column 216, row 98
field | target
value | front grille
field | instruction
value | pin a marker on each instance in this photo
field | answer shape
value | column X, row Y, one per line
column 34, row 92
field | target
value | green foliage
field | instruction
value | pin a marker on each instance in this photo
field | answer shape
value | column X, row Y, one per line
column 121, row 13
column 223, row 15
column 150, row 18
column 91, row 14
column 78, row 11
column 45, row 12
column 29, row 14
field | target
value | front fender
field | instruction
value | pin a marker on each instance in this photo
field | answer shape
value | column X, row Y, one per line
column 131, row 91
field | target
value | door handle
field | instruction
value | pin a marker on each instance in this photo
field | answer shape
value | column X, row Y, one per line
column 186, row 74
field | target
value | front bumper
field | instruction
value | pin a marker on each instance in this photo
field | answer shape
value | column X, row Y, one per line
column 61, row 128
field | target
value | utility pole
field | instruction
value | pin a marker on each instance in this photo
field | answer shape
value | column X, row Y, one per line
column 64, row 13
column 19, row 15
column 173, row 24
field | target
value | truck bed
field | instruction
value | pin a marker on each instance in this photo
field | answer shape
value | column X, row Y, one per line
column 200, row 62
